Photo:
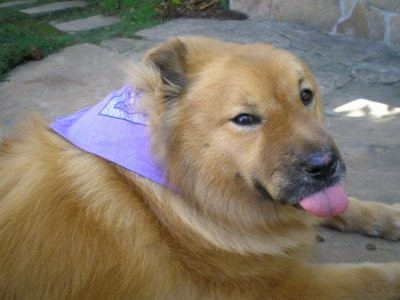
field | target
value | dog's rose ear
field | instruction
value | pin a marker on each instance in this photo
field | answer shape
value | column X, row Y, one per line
column 169, row 60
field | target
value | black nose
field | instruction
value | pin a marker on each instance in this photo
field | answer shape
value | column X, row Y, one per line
column 320, row 165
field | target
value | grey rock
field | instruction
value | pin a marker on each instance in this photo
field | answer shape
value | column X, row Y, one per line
column 61, row 83
column 389, row 5
column 51, row 7
column 336, row 244
column 330, row 81
column 122, row 45
column 253, row 8
column 88, row 23
column 395, row 30
column 233, row 31
column 314, row 13
column 375, row 72
column 15, row 3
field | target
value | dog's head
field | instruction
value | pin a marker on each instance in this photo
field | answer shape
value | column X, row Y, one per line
column 243, row 122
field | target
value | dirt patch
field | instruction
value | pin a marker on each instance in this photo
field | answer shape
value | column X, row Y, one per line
column 205, row 9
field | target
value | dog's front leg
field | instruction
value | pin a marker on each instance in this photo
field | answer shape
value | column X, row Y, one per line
column 368, row 217
column 343, row 281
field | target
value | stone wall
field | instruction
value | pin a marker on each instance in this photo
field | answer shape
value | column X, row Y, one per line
column 370, row 19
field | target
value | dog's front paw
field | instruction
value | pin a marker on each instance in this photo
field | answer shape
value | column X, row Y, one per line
column 370, row 218
column 385, row 222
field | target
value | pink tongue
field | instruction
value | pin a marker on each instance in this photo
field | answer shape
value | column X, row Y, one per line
column 331, row 201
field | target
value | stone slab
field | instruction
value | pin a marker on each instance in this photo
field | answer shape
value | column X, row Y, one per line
column 374, row 72
column 61, row 83
column 369, row 138
column 15, row 3
column 341, row 49
column 358, row 24
column 389, row 5
column 122, row 45
column 329, row 81
column 88, row 23
column 52, row 7
column 233, row 31
column 253, row 8
column 369, row 19
column 395, row 29
column 134, row 49
column 351, row 248
column 314, row 13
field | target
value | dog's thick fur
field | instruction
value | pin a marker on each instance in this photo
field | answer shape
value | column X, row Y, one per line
column 74, row 226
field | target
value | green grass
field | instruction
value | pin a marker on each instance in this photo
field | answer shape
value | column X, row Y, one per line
column 19, row 32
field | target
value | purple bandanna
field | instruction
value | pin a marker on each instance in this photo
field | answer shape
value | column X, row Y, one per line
column 116, row 130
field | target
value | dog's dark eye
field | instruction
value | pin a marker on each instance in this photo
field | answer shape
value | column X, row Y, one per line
column 306, row 96
column 246, row 120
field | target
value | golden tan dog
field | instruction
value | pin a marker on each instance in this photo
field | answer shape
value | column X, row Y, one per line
column 238, row 129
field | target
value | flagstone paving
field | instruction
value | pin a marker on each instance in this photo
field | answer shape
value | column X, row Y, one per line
column 15, row 3
column 52, row 7
column 86, row 23
column 81, row 24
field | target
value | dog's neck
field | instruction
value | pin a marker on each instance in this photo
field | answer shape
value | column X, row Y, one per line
column 213, row 245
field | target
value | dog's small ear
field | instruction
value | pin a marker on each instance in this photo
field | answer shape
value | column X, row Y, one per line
column 169, row 60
